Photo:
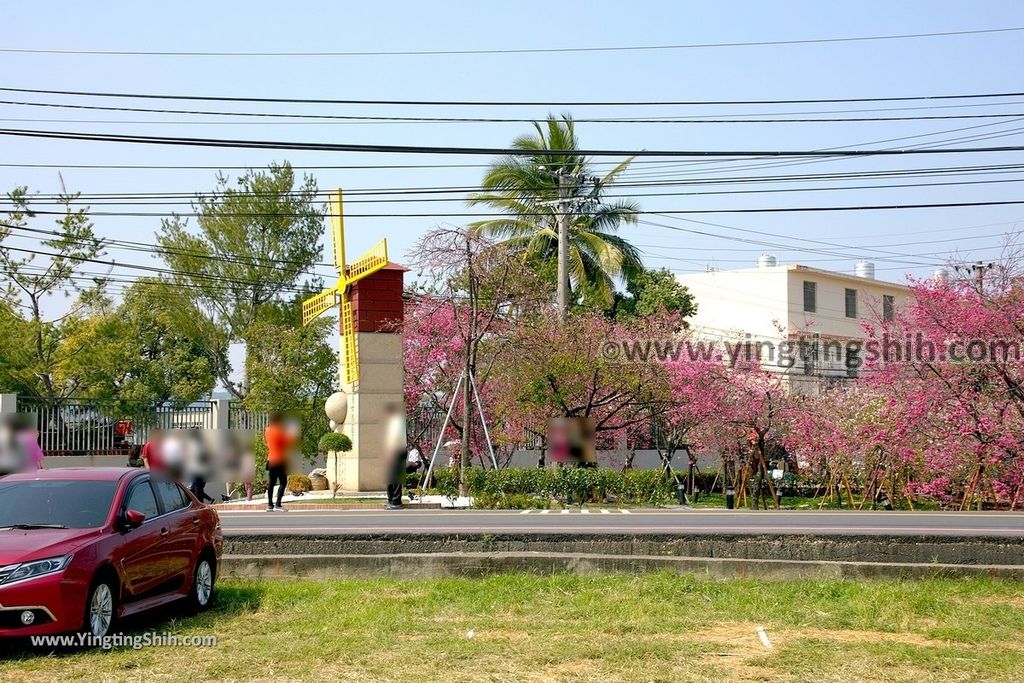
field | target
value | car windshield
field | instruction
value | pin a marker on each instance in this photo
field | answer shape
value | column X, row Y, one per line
column 55, row 503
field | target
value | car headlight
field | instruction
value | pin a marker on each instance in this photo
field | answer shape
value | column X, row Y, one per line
column 30, row 570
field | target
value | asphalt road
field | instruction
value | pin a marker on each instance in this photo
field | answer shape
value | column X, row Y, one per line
column 625, row 522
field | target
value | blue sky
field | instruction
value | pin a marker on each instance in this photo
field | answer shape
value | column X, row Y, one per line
column 947, row 65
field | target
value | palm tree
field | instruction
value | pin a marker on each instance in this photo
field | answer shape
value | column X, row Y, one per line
column 526, row 187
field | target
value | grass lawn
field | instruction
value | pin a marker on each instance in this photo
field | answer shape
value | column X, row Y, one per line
column 567, row 628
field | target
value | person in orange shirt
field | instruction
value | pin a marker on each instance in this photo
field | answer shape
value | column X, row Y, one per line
column 280, row 440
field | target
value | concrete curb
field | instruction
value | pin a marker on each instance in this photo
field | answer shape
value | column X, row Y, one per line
column 765, row 556
column 436, row 565
column 986, row 551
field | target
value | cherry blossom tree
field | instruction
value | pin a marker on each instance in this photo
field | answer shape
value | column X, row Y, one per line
column 455, row 325
column 959, row 395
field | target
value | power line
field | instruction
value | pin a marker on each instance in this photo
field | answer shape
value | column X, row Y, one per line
column 640, row 182
column 160, row 249
column 187, row 201
column 488, row 151
column 510, row 51
column 818, row 117
column 161, row 271
column 830, row 251
column 794, row 209
column 506, row 103
column 731, row 164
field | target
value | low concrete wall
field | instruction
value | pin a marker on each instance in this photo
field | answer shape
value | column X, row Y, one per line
column 785, row 547
column 711, row 556
column 435, row 565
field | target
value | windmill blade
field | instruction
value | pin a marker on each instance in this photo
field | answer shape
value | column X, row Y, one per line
column 349, row 348
column 370, row 262
column 315, row 305
column 336, row 211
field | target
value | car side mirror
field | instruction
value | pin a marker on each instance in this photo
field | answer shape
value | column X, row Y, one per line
column 133, row 519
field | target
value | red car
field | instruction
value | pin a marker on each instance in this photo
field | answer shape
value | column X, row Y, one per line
column 82, row 547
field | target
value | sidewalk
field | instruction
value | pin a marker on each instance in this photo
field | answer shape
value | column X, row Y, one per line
column 345, row 500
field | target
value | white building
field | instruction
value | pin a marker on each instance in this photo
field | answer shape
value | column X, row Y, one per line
column 804, row 321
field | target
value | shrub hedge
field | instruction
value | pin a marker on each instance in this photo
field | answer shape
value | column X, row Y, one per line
column 519, row 488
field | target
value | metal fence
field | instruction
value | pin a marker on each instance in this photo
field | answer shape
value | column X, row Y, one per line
column 240, row 417
column 82, row 427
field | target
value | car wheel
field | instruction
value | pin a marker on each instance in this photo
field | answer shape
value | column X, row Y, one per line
column 99, row 609
column 202, row 583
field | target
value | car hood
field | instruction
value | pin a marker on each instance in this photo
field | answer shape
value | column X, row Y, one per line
column 22, row 545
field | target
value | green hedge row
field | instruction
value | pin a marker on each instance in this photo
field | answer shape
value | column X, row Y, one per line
column 519, row 488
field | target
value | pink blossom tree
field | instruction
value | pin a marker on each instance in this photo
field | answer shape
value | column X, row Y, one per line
column 959, row 394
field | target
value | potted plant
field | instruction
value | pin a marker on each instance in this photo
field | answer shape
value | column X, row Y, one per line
column 333, row 442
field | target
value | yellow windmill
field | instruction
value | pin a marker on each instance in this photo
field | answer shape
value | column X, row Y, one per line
column 370, row 262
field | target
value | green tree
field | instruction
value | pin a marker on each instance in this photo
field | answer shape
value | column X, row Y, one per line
column 651, row 291
column 255, row 243
column 51, row 265
column 526, row 187
column 293, row 368
column 134, row 354
column 16, row 366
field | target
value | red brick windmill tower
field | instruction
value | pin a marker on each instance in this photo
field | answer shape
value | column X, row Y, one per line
column 369, row 293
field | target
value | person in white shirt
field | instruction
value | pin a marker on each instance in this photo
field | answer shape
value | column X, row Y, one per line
column 414, row 460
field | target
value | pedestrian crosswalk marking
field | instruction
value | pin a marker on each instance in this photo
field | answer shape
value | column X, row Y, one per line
column 582, row 511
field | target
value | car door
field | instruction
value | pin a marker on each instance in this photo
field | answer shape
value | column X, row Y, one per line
column 182, row 524
column 141, row 561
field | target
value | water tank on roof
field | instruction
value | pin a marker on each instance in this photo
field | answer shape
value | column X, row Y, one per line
column 864, row 269
column 940, row 275
column 767, row 261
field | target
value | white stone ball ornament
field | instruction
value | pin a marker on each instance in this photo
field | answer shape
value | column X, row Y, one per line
column 336, row 408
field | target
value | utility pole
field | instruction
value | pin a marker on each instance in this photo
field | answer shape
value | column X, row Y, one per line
column 978, row 269
column 568, row 200
column 468, row 370
column 562, row 220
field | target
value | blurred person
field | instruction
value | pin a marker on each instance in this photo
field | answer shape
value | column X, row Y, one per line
column 15, row 452
column 173, row 454
column 395, row 453
column 14, row 448
column 135, row 456
column 197, row 485
column 281, row 438
column 239, row 460
column 571, row 441
column 248, row 473
column 454, row 452
column 151, row 451
column 293, row 461
column 198, row 471
column 30, row 438
column 413, row 463
column 196, row 461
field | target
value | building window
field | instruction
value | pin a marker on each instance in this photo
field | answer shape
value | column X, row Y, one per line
column 809, row 352
column 851, row 303
column 852, row 363
column 888, row 307
column 810, row 296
